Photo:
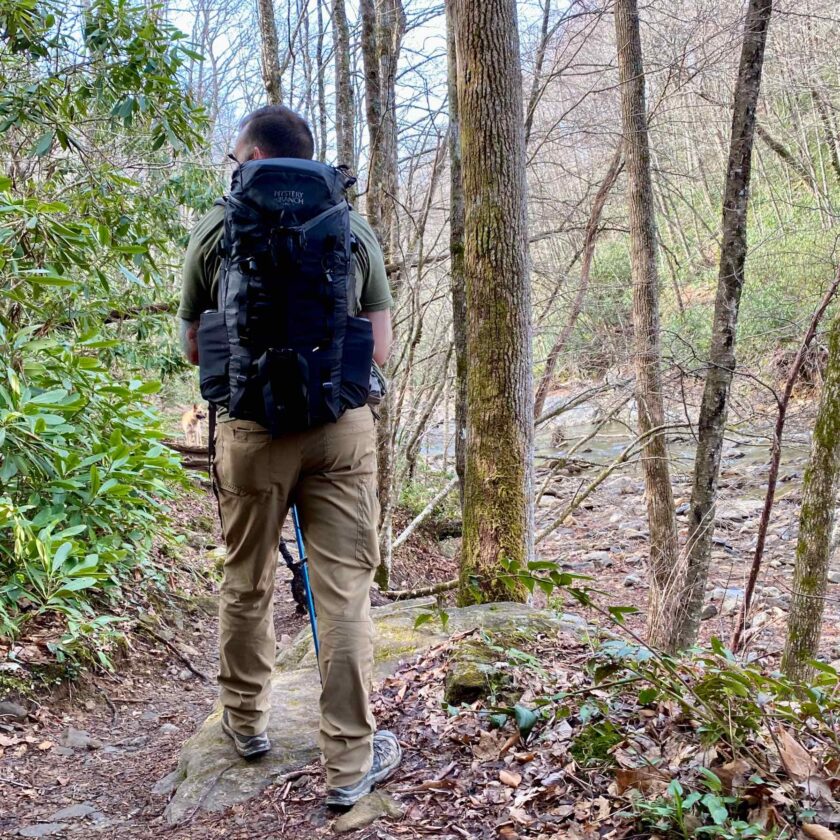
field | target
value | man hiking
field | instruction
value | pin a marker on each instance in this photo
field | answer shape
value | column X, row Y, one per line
column 285, row 304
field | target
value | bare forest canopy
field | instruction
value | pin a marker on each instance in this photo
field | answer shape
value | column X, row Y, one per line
column 116, row 120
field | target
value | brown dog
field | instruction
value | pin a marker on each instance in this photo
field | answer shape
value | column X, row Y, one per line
column 191, row 423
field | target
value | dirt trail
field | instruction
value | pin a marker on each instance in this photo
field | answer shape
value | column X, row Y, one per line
column 101, row 749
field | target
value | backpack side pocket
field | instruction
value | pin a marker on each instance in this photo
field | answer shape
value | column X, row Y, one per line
column 356, row 361
column 213, row 357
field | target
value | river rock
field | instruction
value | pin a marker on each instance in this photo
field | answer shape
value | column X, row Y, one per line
column 738, row 510
column 834, row 576
column 42, row 829
column 213, row 777
column 730, row 599
column 73, row 812
column 708, row 611
column 367, row 810
column 79, row 739
column 602, row 559
column 13, row 711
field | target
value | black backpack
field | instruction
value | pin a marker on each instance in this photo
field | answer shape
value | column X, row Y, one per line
column 282, row 348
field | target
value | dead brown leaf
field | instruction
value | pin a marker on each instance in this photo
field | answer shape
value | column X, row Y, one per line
column 797, row 762
column 604, row 809
column 643, row 779
column 488, row 746
column 521, row 816
column 765, row 816
column 818, row 832
column 510, row 779
column 734, row 775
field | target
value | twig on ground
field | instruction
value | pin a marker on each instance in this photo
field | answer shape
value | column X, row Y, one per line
column 174, row 650
column 423, row 591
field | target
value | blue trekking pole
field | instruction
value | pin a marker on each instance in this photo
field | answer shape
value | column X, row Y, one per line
column 310, row 604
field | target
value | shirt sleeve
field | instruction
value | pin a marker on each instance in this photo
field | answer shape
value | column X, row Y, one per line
column 199, row 278
column 372, row 290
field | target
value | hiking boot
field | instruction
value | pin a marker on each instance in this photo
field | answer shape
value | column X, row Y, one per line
column 248, row 746
column 386, row 758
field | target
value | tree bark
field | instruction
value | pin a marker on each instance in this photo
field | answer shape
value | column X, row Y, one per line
column 715, row 402
column 539, row 59
column 270, row 50
column 498, row 504
column 373, row 114
column 456, row 252
column 322, row 92
column 383, row 25
column 345, row 128
column 664, row 548
column 816, row 520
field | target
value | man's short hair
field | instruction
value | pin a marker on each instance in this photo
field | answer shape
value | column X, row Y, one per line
column 278, row 131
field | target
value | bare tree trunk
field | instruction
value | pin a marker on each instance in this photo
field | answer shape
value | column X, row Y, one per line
column 270, row 49
column 829, row 131
column 373, row 112
column 534, row 96
column 456, row 252
column 816, row 520
column 498, row 504
column 344, row 110
column 664, row 548
column 322, row 93
column 714, row 407
column 383, row 25
column 591, row 234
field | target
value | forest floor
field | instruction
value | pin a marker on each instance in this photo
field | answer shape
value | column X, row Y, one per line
column 86, row 759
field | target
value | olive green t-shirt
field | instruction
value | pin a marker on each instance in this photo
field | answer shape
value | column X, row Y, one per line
column 202, row 264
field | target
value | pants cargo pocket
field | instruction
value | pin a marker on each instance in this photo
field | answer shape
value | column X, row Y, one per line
column 243, row 458
column 367, row 541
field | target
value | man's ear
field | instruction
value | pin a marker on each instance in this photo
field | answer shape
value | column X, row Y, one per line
column 258, row 154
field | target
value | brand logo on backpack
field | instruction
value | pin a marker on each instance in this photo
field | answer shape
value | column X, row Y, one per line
column 289, row 198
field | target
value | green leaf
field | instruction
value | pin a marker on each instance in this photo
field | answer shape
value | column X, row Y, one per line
column 525, row 719
column 717, row 810
column 44, row 143
column 713, row 783
column 56, row 395
column 47, row 279
column 423, row 618
column 61, row 555
column 75, row 585
column 647, row 696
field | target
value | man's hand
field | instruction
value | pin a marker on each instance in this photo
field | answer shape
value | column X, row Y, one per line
column 189, row 340
column 383, row 334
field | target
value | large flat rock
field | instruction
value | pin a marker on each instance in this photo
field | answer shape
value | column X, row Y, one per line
column 212, row 776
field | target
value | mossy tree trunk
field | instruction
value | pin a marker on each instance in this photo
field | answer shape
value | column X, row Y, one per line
column 664, row 547
column 498, row 504
column 816, row 520
column 715, row 403
column 456, row 253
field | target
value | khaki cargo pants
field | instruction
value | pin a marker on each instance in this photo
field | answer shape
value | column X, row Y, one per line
column 330, row 473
